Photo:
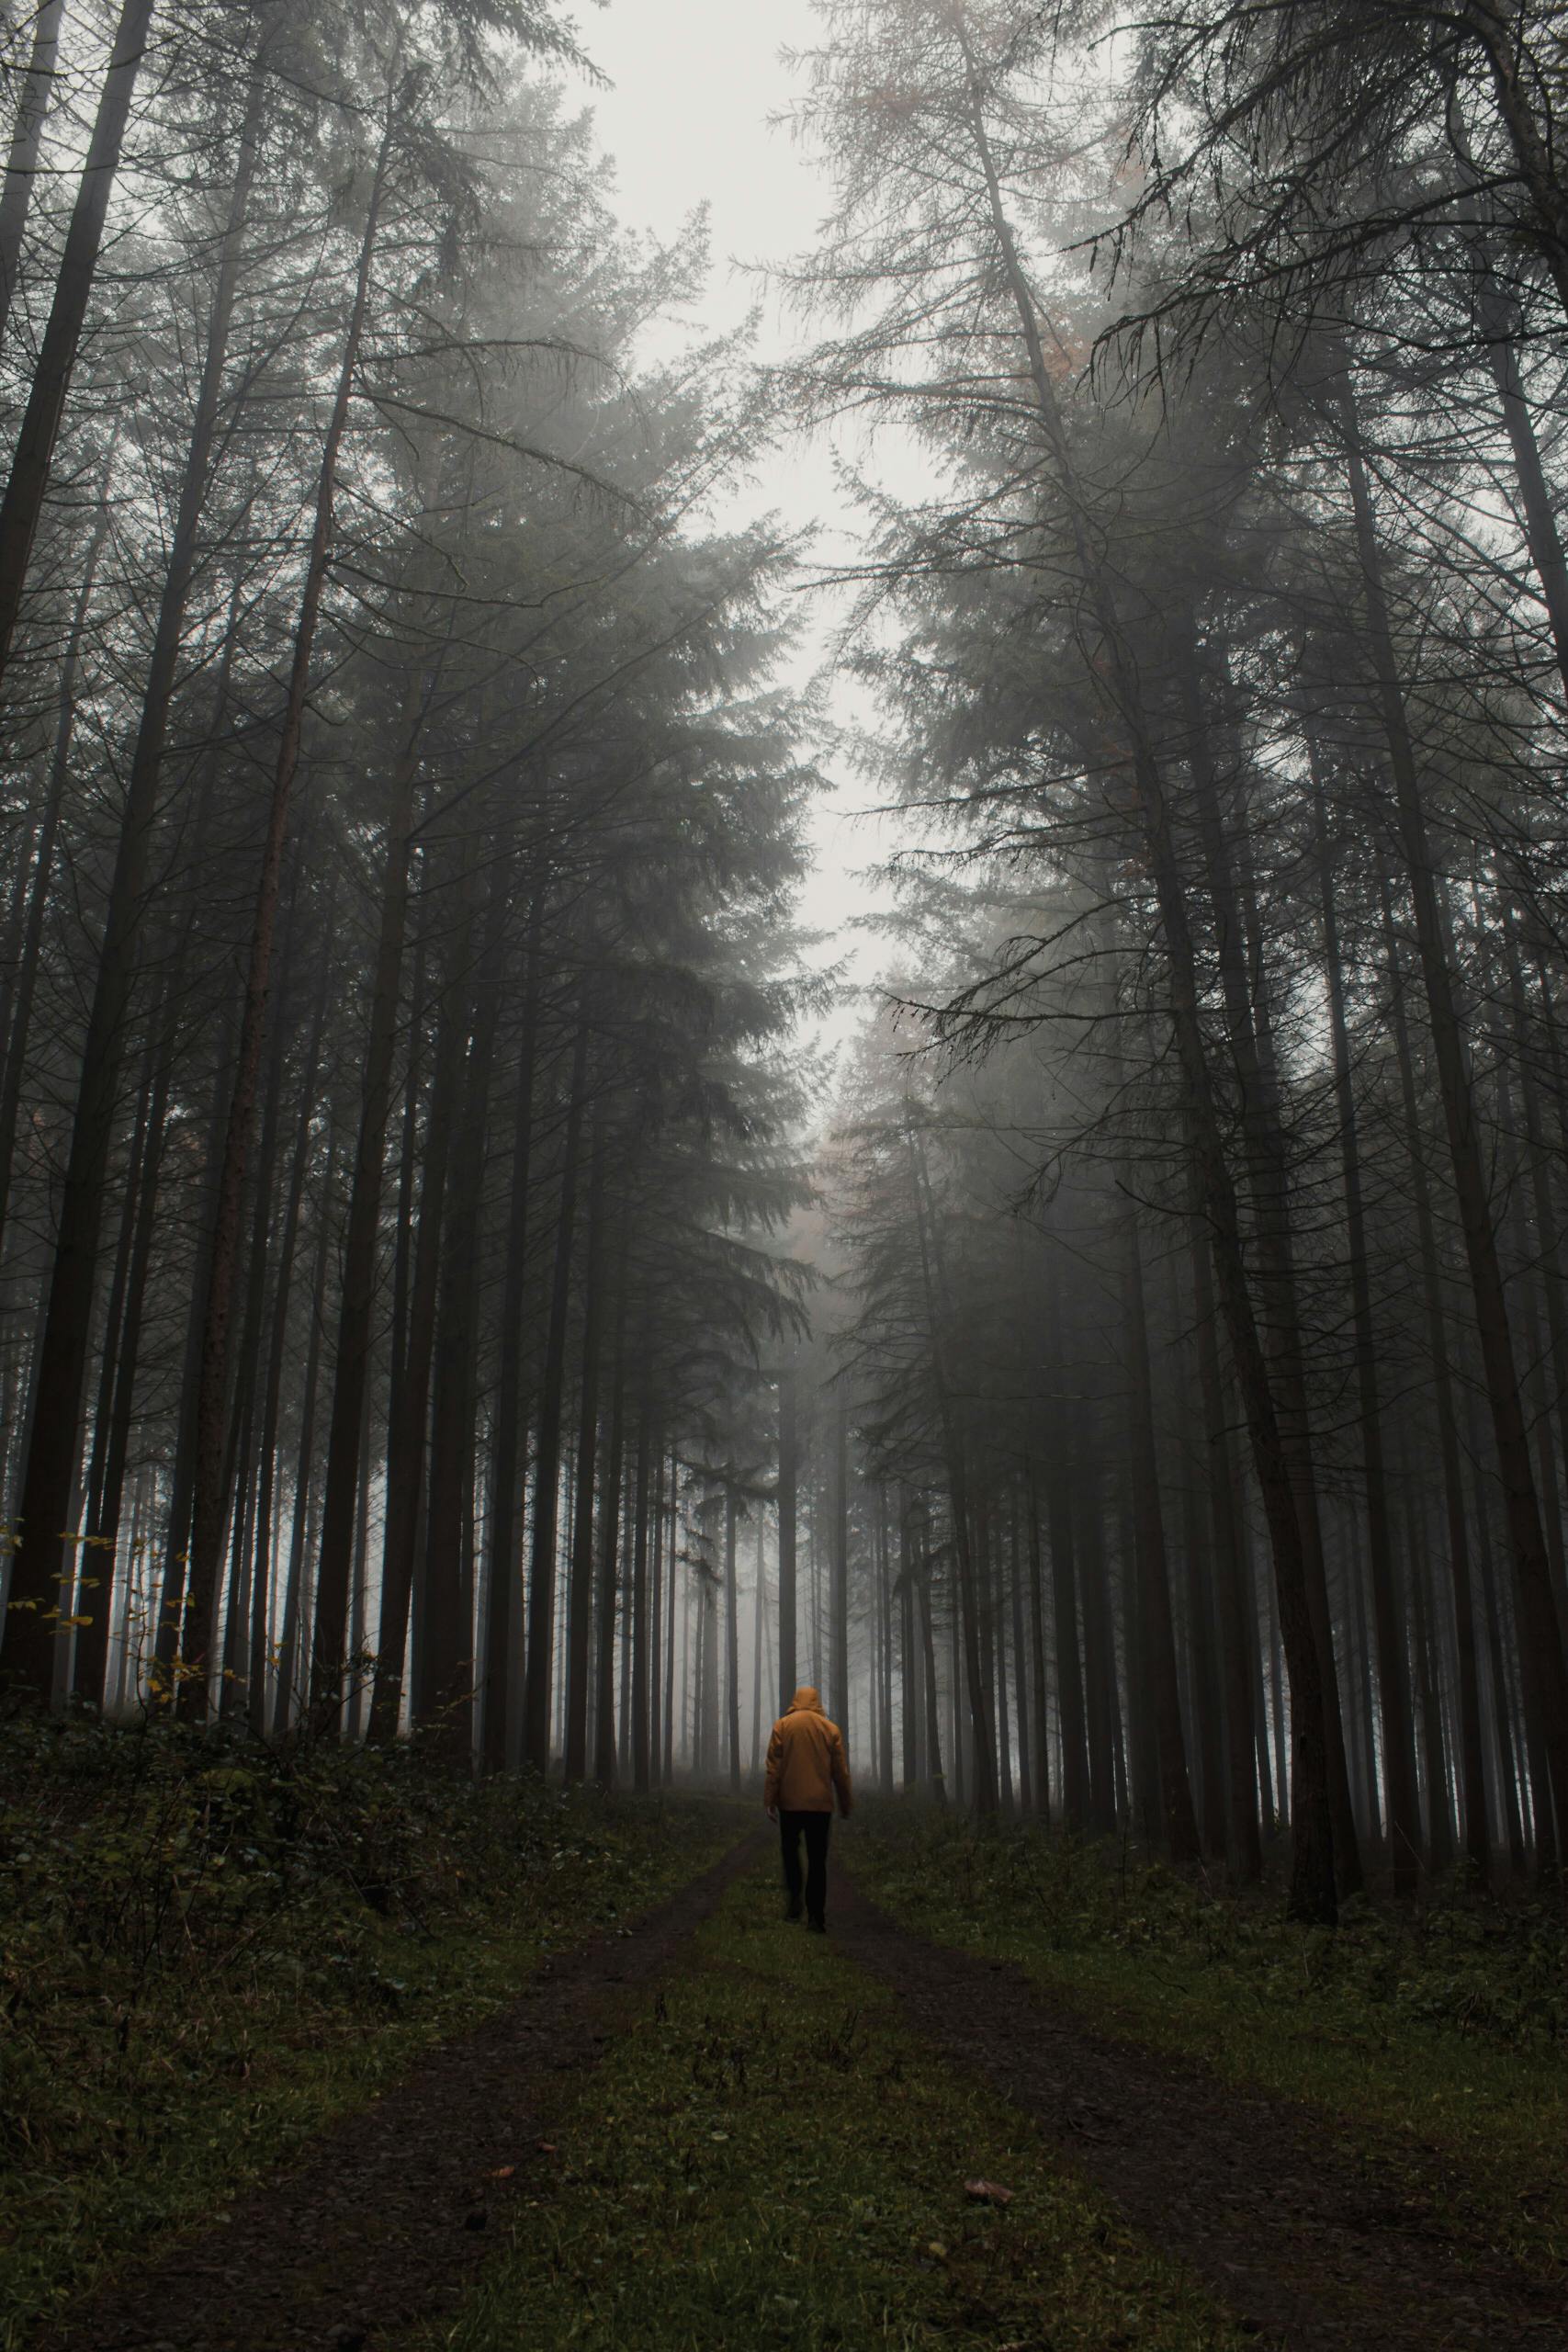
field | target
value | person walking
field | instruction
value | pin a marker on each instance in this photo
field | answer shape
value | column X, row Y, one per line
column 806, row 1768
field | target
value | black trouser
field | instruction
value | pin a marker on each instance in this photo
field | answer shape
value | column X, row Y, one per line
column 815, row 1826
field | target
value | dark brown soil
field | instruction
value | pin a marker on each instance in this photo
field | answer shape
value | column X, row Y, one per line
column 390, row 2213
column 1317, row 2249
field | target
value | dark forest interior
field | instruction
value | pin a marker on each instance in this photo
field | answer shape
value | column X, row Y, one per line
column 513, row 1256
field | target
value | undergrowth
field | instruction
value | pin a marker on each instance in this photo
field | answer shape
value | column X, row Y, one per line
column 208, row 1947
column 1437, row 2029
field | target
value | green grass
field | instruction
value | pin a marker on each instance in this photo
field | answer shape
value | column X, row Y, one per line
column 767, row 2159
column 1434, row 2039
column 207, row 1950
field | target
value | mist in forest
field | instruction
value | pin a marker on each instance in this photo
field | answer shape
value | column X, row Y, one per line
column 493, row 1247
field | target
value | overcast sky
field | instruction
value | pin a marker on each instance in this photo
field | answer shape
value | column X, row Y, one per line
column 687, row 121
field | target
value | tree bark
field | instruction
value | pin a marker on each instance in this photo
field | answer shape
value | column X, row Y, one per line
column 68, row 1312
column 26, row 141
column 208, row 1502
column 546, row 1473
column 22, row 505
column 1541, row 1638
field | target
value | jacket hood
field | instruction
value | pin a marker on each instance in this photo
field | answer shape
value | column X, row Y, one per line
column 805, row 1699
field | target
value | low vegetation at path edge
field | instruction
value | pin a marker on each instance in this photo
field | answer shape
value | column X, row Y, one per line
column 209, row 1949
column 768, row 2159
column 1437, row 2032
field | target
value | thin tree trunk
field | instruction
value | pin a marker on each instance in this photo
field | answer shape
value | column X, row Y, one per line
column 789, row 1465
column 609, row 1559
column 644, row 1618
column 278, row 1347
column 408, row 1413
column 1178, row 1818
column 290, row 1681
column 547, row 1475
column 1393, row 1696
column 580, row 1594
column 446, row 1686
column 968, row 1599
column 357, row 1294
column 731, row 1645
column 504, row 1612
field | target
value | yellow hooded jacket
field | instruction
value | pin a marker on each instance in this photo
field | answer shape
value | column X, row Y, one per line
column 806, row 1760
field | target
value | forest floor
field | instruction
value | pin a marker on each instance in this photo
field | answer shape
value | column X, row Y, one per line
column 701, row 2127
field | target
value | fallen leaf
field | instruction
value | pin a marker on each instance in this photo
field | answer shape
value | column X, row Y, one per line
column 937, row 2247
column 503, row 2172
column 546, row 2147
column 988, row 2193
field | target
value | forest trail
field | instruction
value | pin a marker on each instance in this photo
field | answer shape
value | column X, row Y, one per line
column 1304, row 2245
column 389, row 2216
column 1315, row 2249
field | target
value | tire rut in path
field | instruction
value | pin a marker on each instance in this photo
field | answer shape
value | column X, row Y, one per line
column 385, row 2217
column 1302, row 2243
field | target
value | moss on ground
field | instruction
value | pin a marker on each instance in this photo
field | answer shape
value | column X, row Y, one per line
column 208, row 1950
column 768, row 2158
column 1433, row 2037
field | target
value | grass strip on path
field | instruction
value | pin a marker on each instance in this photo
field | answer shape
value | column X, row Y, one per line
column 1435, row 2040
column 207, row 1956
column 768, row 2159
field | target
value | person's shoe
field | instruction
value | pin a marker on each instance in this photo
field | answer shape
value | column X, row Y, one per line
column 792, row 1907
column 817, row 1927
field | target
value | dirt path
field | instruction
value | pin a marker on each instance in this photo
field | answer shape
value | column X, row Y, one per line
column 1315, row 2251
column 388, row 2217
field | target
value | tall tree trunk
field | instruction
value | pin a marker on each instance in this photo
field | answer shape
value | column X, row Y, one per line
column 277, row 1349
column 580, row 1594
column 1313, row 1888
column 502, row 1576
column 1039, row 1686
column 291, row 1692
column 1541, row 1641
column 1178, row 1816
column 93, row 1598
column 63, row 1342
column 26, row 141
column 1059, row 1467
column 444, row 1691
column 839, row 1571
column 1501, row 324
column 361, row 1239
column 546, row 1473
column 1472, row 1765
column 653, row 1755
column 731, row 1645
column 968, row 1611
column 1233, row 1610
column 408, row 1406
column 609, row 1553
column 209, row 1501
column 644, row 1618
column 1393, row 1696
column 22, row 505
column 789, row 1449
column 42, row 885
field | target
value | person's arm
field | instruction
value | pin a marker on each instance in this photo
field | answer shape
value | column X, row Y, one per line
column 771, row 1782
column 840, row 1765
